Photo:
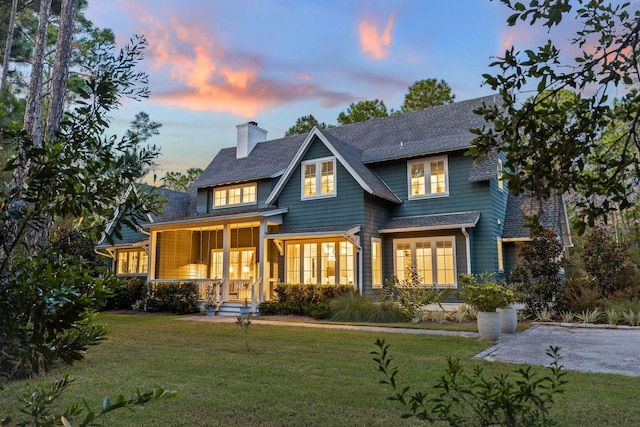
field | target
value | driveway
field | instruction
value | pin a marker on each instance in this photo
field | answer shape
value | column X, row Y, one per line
column 582, row 348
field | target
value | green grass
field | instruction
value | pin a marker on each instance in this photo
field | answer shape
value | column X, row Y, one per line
column 292, row 376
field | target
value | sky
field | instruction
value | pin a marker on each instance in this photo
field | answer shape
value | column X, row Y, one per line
column 214, row 64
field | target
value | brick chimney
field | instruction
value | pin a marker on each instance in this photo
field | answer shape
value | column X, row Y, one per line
column 249, row 135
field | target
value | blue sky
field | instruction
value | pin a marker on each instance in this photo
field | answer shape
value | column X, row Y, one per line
column 215, row 64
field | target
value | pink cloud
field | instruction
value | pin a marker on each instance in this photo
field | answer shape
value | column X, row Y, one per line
column 374, row 42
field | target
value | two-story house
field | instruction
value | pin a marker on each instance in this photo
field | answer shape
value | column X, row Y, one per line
column 354, row 204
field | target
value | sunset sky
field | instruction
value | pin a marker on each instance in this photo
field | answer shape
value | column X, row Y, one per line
column 215, row 64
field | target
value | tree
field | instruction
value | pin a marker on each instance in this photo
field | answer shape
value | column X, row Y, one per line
column 554, row 145
column 143, row 128
column 77, row 175
column 363, row 110
column 179, row 182
column 304, row 124
column 8, row 44
column 427, row 93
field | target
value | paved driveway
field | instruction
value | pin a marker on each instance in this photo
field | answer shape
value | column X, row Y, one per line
column 587, row 349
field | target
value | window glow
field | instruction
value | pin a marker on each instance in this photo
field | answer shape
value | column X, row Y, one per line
column 236, row 195
column 427, row 177
column 318, row 178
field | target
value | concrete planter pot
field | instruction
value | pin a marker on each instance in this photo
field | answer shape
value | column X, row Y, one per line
column 508, row 320
column 489, row 325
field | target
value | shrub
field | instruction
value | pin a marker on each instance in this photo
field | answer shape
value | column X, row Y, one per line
column 537, row 275
column 411, row 295
column 303, row 300
column 578, row 295
column 461, row 399
column 387, row 312
column 351, row 307
column 126, row 294
column 486, row 296
column 174, row 297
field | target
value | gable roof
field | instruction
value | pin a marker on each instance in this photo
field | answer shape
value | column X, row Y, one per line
column 433, row 130
column 551, row 214
column 431, row 222
column 176, row 204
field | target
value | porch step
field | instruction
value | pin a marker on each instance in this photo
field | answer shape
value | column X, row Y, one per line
column 231, row 309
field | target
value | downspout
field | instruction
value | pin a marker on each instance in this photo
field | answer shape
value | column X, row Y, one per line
column 467, row 249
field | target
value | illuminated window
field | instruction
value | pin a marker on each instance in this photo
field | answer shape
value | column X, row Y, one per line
column 376, row 263
column 433, row 258
column 318, row 178
column 132, row 262
column 235, row 195
column 328, row 262
column 500, row 256
column 500, row 179
column 428, row 177
column 241, row 264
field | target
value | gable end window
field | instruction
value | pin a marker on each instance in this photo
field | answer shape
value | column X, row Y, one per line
column 319, row 178
column 234, row 195
column 428, row 177
column 133, row 261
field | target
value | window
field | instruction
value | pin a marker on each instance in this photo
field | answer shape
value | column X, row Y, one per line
column 236, row 195
column 327, row 262
column 132, row 262
column 500, row 179
column 433, row 258
column 318, row 178
column 241, row 264
column 428, row 177
column 376, row 263
column 500, row 256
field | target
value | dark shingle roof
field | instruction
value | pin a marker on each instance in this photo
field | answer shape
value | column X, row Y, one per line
column 425, row 222
column 484, row 169
column 432, row 130
column 522, row 205
column 175, row 206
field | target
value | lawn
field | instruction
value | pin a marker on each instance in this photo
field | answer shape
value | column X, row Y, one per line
column 292, row 376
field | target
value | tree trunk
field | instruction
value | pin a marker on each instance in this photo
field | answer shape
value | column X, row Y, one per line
column 61, row 68
column 33, row 110
column 7, row 48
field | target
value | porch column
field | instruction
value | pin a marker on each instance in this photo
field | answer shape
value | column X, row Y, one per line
column 151, row 267
column 468, row 249
column 262, row 266
column 226, row 250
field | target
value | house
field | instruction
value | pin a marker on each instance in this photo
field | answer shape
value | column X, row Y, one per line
column 353, row 205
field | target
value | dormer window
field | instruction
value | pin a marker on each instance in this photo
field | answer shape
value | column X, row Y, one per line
column 428, row 177
column 500, row 177
column 318, row 178
column 234, row 195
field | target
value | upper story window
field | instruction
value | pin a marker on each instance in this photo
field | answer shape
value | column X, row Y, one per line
column 319, row 178
column 428, row 177
column 500, row 177
column 234, row 195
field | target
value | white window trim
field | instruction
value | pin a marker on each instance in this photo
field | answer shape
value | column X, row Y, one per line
column 428, row 194
column 318, row 267
column 500, row 254
column 500, row 175
column 232, row 187
column 434, row 270
column 373, row 284
column 318, row 163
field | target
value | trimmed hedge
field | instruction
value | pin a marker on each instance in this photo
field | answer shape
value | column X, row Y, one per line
column 175, row 297
column 303, row 300
column 127, row 293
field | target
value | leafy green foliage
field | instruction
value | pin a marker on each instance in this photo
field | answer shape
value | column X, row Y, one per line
column 537, row 274
column 304, row 124
column 180, row 182
column 608, row 262
column 553, row 142
column 460, row 399
column 427, row 93
column 44, row 282
column 363, row 111
column 302, row 300
column 410, row 294
column 40, row 406
column 175, row 297
column 485, row 294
